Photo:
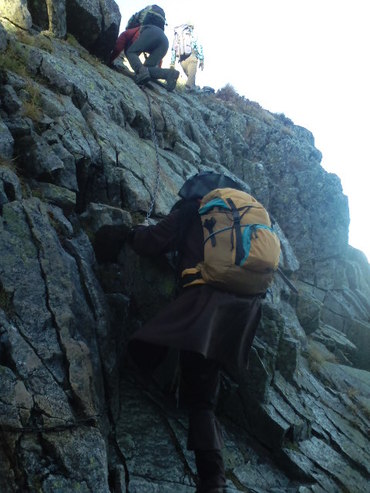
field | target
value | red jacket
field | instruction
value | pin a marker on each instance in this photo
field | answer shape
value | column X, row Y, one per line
column 125, row 40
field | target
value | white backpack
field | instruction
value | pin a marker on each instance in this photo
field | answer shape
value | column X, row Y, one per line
column 182, row 40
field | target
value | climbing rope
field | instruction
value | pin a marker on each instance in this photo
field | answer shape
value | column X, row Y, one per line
column 158, row 167
column 287, row 281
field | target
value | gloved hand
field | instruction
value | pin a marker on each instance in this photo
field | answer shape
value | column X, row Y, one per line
column 130, row 236
column 137, row 227
column 109, row 239
column 201, row 64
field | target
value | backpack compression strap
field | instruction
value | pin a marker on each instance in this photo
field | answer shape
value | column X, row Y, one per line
column 191, row 277
column 239, row 250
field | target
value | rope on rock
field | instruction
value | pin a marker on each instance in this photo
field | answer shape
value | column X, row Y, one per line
column 158, row 167
column 287, row 281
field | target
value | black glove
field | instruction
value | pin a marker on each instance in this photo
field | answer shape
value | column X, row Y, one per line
column 109, row 240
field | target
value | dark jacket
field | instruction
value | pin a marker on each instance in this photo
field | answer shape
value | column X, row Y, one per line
column 203, row 319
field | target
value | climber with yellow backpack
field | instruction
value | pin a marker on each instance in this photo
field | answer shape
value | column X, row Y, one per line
column 227, row 256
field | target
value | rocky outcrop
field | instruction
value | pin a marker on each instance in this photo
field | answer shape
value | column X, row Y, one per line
column 17, row 12
column 79, row 163
column 94, row 23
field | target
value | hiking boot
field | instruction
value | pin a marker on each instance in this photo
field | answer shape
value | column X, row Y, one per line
column 211, row 471
column 142, row 75
column 191, row 88
column 172, row 77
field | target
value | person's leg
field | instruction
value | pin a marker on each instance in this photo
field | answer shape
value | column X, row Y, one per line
column 192, row 71
column 211, row 471
column 184, row 66
column 190, row 66
column 158, row 47
column 57, row 17
column 170, row 75
column 151, row 40
column 199, row 390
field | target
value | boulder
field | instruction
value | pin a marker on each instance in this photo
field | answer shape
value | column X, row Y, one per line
column 16, row 11
column 95, row 24
column 3, row 37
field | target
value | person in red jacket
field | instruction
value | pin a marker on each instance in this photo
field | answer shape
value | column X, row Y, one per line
column 211, row 328
column 124, row 40
column 151, row 40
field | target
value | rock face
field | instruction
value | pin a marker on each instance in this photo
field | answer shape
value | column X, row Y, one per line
column 78, row 167
column 94, row 23
column 17, row 12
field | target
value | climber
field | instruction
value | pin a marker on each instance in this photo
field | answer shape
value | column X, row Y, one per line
column 144, row 34
column 210, row 328
column 187, row 49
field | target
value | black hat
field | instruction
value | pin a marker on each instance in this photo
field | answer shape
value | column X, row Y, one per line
column 200, row 184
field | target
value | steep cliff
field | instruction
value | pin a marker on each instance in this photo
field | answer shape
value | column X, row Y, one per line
column 81, row 151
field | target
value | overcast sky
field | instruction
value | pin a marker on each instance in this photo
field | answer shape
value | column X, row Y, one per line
column 308, row 59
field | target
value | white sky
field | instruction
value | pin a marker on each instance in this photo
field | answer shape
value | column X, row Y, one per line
column 308, row 59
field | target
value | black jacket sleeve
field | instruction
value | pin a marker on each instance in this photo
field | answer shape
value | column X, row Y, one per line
column 157, row 239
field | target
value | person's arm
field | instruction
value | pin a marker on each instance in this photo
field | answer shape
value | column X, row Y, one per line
column 157, row 239
column 119, row 46
column 174, row 51
column 124, row 40
column 173, row 58
column 198, row 51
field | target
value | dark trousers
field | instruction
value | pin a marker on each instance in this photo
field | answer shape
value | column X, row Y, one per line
column 199, row 390
column 152, row 40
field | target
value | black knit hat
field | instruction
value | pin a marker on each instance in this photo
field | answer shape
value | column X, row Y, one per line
column 200, row 184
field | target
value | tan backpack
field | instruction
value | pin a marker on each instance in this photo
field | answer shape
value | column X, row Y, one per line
column 241, row 251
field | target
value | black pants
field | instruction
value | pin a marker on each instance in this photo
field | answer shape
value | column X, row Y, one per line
column 199, row 389
column 152, row 40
